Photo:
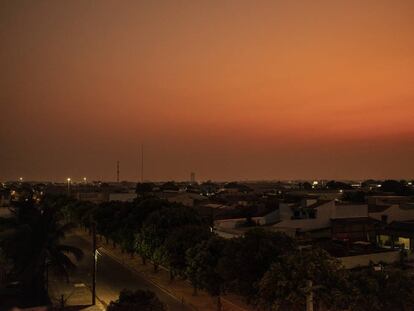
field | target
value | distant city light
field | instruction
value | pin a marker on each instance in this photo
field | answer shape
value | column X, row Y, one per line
column 68, row 179
column 84, row 179
column 21, row 178
column 315, row 183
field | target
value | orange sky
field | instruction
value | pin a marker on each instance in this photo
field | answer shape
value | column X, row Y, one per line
column 228, row 89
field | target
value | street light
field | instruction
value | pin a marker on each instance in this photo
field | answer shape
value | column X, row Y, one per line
column 68, row 180
column 20, row 179
column 95, row 260
column 84, row 180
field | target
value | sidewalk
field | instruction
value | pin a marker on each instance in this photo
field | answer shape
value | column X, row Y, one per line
column 179, row 289
column 72, row 296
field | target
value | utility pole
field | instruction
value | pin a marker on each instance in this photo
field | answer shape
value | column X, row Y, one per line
column 309, row 295
column 94, row 253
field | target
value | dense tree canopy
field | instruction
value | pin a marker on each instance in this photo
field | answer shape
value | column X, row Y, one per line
column 179, row 241
column 144, row 189
column 149, row 242
column 337, row 185
column 354, row 197
column 202, row 269
column 286, row 284
column 396, row 187
column 382, row 290
column 247, row 258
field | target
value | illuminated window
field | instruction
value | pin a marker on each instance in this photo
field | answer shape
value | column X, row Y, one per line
column 405, row 242
column 384, row 240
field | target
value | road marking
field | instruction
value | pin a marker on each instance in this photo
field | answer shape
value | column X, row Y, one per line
column 113, row 257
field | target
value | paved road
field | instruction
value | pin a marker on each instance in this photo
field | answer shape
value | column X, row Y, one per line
column 112, row 277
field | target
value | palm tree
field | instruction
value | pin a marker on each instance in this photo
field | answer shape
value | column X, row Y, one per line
column 31, row 239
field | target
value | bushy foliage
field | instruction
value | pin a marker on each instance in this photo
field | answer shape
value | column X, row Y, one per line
column 285, row 285
column 246, row 259
column 382, row 290
column 180, row 241
column 202, row 269
column 149, row 242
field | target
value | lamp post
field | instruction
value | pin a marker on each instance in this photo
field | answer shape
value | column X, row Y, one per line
column 309, row 295
column 68, row 180
column 95, row 257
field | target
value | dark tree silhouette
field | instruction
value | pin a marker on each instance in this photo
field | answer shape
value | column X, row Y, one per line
column 246, row 259
column 338, row 185
column 202, row 269
column 31, row 239
column 395, row 187
column 285, row 285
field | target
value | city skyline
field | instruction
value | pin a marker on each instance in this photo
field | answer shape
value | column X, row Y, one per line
column 230, row 90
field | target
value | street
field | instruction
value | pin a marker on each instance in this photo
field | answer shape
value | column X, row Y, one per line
column 112, row 277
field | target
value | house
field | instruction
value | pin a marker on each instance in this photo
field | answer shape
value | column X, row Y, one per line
column 397, row 234
column 262, row 220
column 388, row 199
column 312, row 215
column 308, row 215
column 393, row 212
column 354, row 229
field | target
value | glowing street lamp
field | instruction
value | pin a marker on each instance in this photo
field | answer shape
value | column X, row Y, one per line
column 84, row 180
column 20, row 179
column 68, row 180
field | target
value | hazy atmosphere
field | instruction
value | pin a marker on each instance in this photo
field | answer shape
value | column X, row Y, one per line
column 227, row 89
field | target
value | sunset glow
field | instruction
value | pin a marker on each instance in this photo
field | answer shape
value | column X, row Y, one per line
column 227, row 89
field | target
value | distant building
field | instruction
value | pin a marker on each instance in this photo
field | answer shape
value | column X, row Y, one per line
column 266, row 219
column 312, row 215
column 187, row 199
column 122, row 197
column 93, row 197
column 388, row 199
column 390, row 213
column 5, row 198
